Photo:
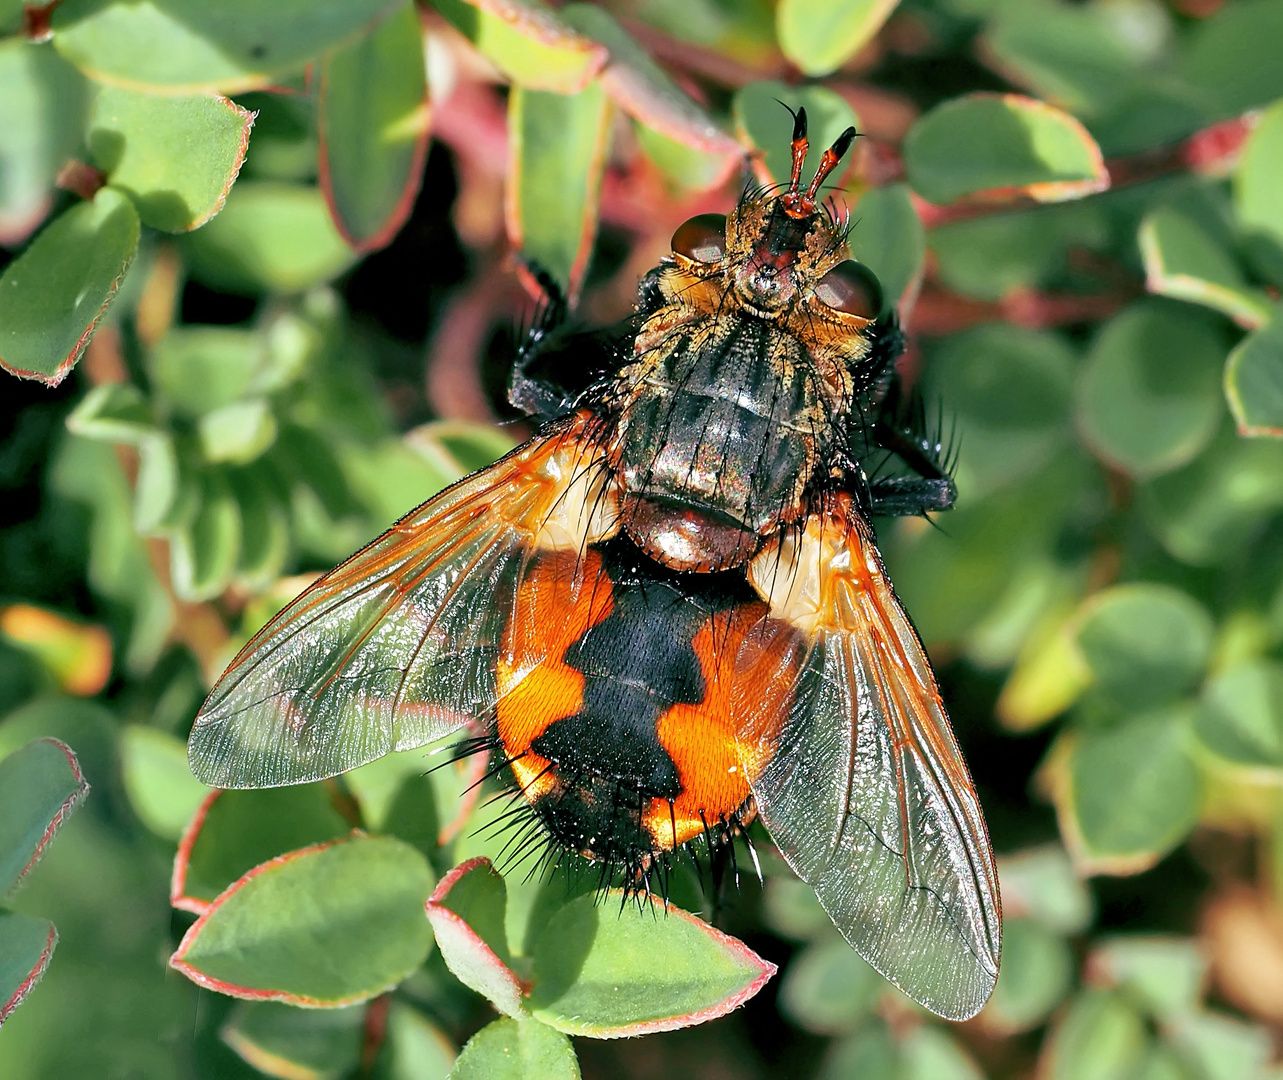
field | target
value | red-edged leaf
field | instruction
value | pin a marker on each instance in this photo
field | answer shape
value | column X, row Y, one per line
column 995, row 147
column 467, row 914
column 234, row 831
column 631, row 966
column 54, row 294
column 373, row 120
column 26, row 946
column 527, row 42
column 39, row 786
column 557, row 157
column 325, row 926
column 643, row 89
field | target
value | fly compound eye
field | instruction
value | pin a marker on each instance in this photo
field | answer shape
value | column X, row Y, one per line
column 702, row 238
column 853, row 288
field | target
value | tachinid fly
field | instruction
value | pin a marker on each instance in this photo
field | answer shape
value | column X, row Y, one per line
column 666, row 613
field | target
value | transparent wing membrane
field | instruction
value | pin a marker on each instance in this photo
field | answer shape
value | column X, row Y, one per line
column 396, row 647
column 866, row 794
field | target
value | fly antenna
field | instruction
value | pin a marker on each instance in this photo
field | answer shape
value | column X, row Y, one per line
column 799, row 204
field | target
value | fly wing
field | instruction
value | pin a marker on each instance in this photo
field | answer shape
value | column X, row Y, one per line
column 397, row 646
column 860, row 783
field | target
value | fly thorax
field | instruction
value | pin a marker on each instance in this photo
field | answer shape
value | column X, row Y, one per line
column 723, row 426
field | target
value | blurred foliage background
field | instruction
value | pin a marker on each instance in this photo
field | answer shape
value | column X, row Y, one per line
column 258, row 270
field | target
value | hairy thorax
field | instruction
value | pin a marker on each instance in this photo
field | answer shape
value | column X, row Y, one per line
column 725, row 411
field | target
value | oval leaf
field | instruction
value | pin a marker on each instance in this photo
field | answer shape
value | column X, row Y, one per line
column 283, row 1041
column 508, row 1050
column 887, row 236
column 1100, row 1037
column 39, row 786
column 829, row 988
column 1149, row 395
column 196, row 46
column 325, row 926
column 1185, row 261
column 1001, row 146
column 629, row 967
column 1134, row 793
column 467, row 912
column 818, row 35
column 1145, row 643
column 1258, row 202
column 26, row 947
column 527, row 43
column 1037, row 972
column 44, row 99
column 557, row 155
column 234, row 831
column 1254, row 381
column 53, row 295
column 269, row 237
column 1166, row 975
column 1242, row 715
column 175, row 156
column 160, row 786
column 373, row 117
column 643, row 89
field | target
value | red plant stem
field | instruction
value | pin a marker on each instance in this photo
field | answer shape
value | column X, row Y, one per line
column 80, row 179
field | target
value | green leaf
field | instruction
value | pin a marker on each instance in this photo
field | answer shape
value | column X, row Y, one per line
column 557, row 155
column 1149, row 397
column 869, row 1054
column 373, row 116
column 204, row 551
column 160, row 786
column 1206, row 511
column 828, row 989
column 176, row 157
column 1254, row 381
column 285, row 1041
column 1241, row 718
column 415, row 1049
column 508, row 1050
column 467, row 913
column 1185, row 261
column 1040, row 884
column 1101, row 1037
column 1002, row 146
column 1135, row 791
column 1010, row 390
column 269, row 237
column 819, row 35
column 188, row 45
column 40, row 785
column 1230, row 58
column 528, row 43
column 235, row 831
column 887, row 236
column 766, row 126
column 163, row 494
column 44, row 104
column 265, row 526
column 1146, row 643
column 203, row 368
column 115, row 413
column 26, row 947
column 991, row 256
column 614, row 970
column 1258, row 203
column 237, row 433
column 791, row 909
column 1165, row 976
column 929, row 1053
column 673, row 130
column 1037, row 972
column 325, row 926
column 54, row 294
column 1222, row 1047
